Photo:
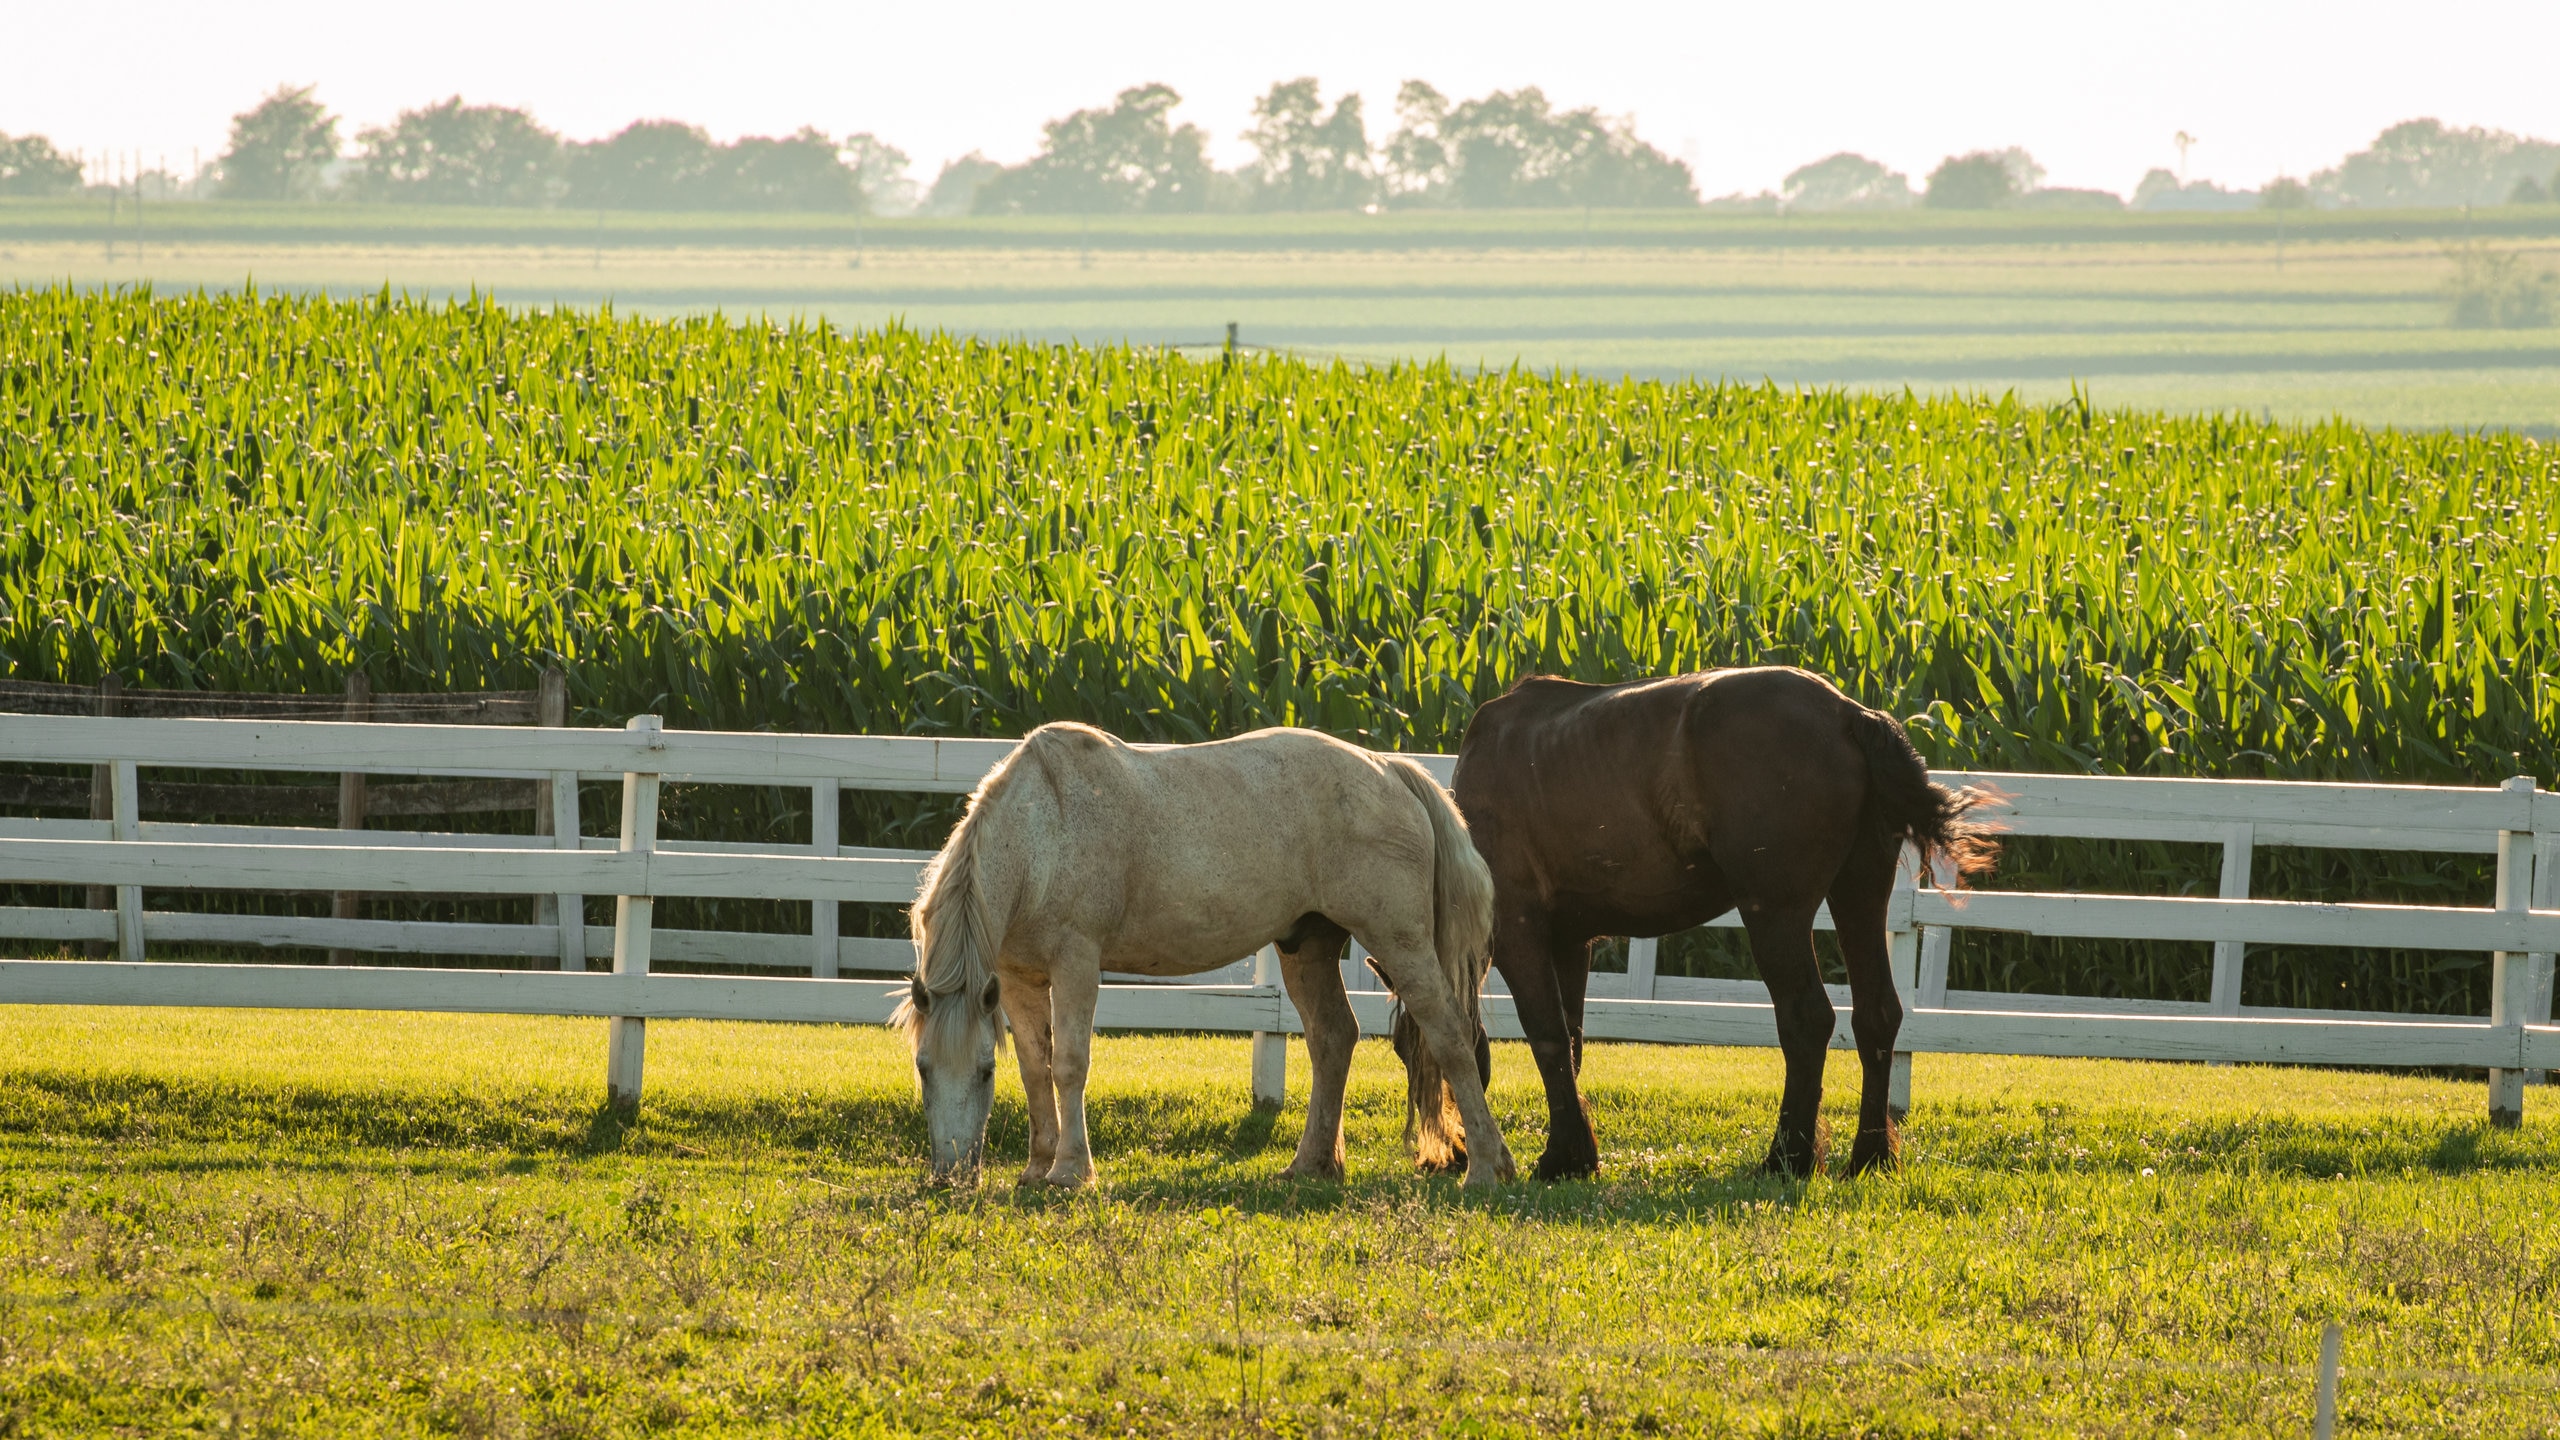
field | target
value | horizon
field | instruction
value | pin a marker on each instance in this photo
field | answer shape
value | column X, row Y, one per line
column 1903, row 89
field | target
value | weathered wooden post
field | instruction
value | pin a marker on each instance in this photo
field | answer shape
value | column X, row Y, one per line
column 1902, row 954
column 102, row 801
column 2538, row 966
column 1644, row 958
column 2511, row 973
column 349, row 904
column 825, row 835
column 556, row 815
column 628, row 1035
column 1270, row 1048
column 127, row 825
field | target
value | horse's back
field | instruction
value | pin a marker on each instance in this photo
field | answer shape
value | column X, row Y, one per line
column 1621, row 792
column 1173, row 850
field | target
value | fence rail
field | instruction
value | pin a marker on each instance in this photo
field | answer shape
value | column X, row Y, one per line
column 2516, row 822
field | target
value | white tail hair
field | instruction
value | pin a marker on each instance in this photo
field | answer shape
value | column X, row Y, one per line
column 1462, row 932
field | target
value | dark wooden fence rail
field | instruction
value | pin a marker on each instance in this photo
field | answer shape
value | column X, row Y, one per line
column 353, row 801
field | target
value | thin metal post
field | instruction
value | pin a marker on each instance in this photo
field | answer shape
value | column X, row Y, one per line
column 127, row 825
column 1270, row 1049
column 2510, row 973
column 628, row 1036
column 349, row 904
column 825, row 834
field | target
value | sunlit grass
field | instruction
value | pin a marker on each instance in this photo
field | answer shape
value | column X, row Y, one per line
column 359, row 1223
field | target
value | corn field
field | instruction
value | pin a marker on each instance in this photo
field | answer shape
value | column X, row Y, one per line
column 786, row 526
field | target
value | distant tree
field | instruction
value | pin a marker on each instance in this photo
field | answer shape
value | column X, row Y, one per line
column 2426, row 162
column 1306, row 159
column 1845, row 182
column 2162, row 190
column 457, row 154
column 280, row 150
column 1982, row 180
column 2528, row 191
column 805, row 171
column 1131, row 157
column 29, row 165
column 956, row 185
column 2499, row 289
column 649, row 165
column 1512, row 149
column 2284, row 193
column 1418, row 163
column 880, row 173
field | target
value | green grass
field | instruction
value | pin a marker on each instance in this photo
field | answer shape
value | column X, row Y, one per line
column 373, row 1224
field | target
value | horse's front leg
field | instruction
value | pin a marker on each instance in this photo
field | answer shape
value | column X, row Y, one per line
column 1075, row 987
column 1026, row 1006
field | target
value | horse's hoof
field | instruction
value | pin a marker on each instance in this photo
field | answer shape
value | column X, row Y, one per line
column 1303, row 1171
column 1559, row 1163
column 1876, row 1150
column 1068, row 1179
column 1792, row 1164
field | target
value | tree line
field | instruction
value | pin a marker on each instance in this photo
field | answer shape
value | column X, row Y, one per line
column 1503, row 150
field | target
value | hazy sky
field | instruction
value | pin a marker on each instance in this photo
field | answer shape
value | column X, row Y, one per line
column 1744, row 92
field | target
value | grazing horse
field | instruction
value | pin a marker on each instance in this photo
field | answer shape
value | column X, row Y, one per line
column 1080, row 854
column 1654, row 806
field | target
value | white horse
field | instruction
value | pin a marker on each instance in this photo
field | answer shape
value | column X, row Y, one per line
column 1080, row 854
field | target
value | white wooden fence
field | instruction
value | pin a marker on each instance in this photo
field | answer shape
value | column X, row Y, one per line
column 2517, row 823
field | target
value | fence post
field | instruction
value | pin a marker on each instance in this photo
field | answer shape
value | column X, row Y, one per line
column 556, row 816
column 825, row 835
column 628, row 1035
column 2510, row 973
column 2538, row 966
column 1270, row 1048
column 349, row 904
column 1644, row 958
column 127, row 825
column 2239, row 843
column 1902, row 954
column 102, row 802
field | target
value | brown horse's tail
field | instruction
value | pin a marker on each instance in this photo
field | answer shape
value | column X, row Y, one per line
column 1906, row 805
column 1462, row 935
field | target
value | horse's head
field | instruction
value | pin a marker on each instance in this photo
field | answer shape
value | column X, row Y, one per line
column 955, row 1038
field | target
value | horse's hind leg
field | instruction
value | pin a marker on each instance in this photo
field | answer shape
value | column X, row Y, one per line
column 1026, row 1008
column 1415, row 973
column 1313, row 972
column 1533, row 965
column 1782, row 945
column 1075, row 987
column 1859, row 897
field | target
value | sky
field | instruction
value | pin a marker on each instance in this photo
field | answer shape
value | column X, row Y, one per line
column 1743, row 92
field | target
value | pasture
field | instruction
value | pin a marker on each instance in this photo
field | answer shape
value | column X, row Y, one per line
column 377, row 1224
column 2294, row 318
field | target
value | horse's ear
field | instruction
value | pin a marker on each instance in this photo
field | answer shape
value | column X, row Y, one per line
column 988, row 997
column 918, row 996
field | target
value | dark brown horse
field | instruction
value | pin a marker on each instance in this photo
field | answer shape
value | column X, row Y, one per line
column 1650, row 807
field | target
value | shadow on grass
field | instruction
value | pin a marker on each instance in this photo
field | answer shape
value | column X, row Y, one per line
column 1174, row 1148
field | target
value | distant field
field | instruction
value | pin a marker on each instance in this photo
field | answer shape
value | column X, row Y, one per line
column 2302, row 317
column 334, row 1224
